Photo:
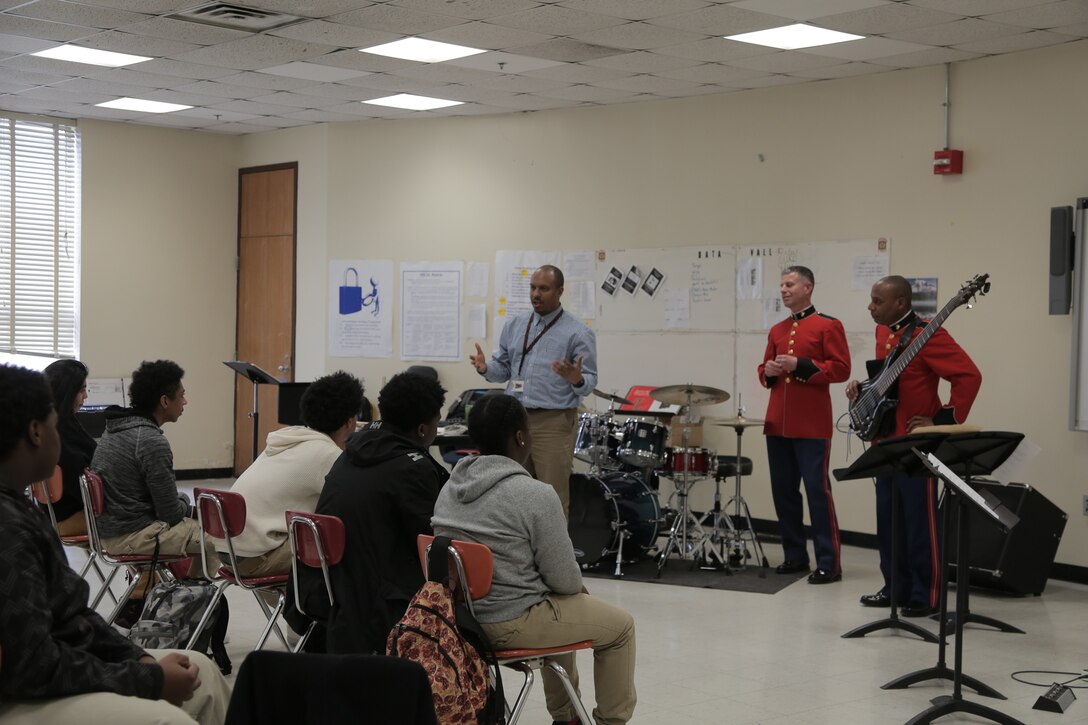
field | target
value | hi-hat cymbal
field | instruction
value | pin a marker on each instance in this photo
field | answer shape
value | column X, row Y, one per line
column 738, row 421
column 611, row 398
column 689, row 395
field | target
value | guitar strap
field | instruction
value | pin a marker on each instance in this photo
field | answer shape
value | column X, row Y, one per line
column 876, row 368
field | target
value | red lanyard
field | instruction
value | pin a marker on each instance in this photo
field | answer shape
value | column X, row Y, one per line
column 526, row 346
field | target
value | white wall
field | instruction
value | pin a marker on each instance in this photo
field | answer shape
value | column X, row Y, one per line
column 160, row 211
column 843, row 160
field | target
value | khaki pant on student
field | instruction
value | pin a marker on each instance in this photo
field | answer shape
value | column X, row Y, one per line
column 560, row 620
column 181, row 538
column 208, row 705
column 552, row 456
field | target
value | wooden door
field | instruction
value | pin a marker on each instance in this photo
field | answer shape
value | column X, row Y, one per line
column 266, row 297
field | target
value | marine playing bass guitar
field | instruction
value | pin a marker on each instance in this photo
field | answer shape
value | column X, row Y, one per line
column 872, row 414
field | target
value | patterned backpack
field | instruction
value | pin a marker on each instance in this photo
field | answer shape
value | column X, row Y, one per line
column 447, row 641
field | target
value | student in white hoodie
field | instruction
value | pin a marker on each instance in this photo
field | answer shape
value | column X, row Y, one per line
column 537, row 598
column 290, row 473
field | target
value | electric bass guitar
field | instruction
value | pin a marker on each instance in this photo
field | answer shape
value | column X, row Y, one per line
column 872, row 413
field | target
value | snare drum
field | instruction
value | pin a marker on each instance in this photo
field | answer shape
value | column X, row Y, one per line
column 698, row 462
column 597, row 440
column 643, row 443
column 602, row 508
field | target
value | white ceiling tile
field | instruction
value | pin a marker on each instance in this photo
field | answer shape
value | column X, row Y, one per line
column 1044, row 17
column 151, row 7
column 577, row 73
column 466, row 109
column 255, row 52
column 719, row 20
column 530, row 102
column 185, row 99
column 801, row 10
column 256, row 79
column 499, row 62
column 471, row 94
column 520, row 84
column 121, row 42
column 468, row 9
column 14, row 44
column 187, row 32
column 1079, row 30
column 235, row 129
column 50, row 66
column 956, row 32
column 441, row 72
column 646, row 83
column 7, row 86
column 68, row 95
column 642, row 62
column 716, row 50
column 244, row 106
column 771, row 81
column 639, row 36
column 845, row 70
column 707, row 90
column 335, row 34
column 72, row 13
column 297, row 100
column 219, row 116
column 222, row 90
column 556, row 20
column 278, row 122
column 172, row 120
column 322, row 116
column 786, row 61
column 313, row 72
column 973, row 8
column 934, row 56
column 486, row 36
column 42, row 29
column 1016, row 43
column 887, row 18
column 306, row 8
column 380, row 85
column 335, row 90
column 134, row 77
column 397, row 20
column 712, row 73
column 193, row 71
column 866, row 49
column 368, row 62
column 363, row 110
column 587, row 94
column 568, row 50
column 635, row 9
column 95, row 86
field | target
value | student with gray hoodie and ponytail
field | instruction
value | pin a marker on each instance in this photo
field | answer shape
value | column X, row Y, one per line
column 537, row 598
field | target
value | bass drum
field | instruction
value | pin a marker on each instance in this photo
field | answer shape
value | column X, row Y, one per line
column 602, row 507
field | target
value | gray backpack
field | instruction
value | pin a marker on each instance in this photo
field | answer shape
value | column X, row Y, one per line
column 172, row 611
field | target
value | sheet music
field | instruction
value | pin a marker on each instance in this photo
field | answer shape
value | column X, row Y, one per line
column 936, row 466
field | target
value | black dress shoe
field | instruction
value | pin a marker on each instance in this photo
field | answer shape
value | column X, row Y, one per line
column 791, row 567
column 914, row 609
column 823, row 576
column 880, row 599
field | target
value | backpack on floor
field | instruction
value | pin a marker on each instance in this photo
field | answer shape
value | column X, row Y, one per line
column 172, row 611
column 449, row 643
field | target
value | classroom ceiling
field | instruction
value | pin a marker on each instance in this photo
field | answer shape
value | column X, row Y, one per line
column 540, row 54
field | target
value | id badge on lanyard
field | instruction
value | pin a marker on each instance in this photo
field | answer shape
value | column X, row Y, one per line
column 517, row 386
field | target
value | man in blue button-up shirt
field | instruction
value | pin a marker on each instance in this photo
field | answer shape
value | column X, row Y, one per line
column 548, row 360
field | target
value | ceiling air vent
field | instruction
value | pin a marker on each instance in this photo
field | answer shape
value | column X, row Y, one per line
column 236, row 17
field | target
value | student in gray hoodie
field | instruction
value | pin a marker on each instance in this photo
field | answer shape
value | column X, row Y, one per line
column 537, row 598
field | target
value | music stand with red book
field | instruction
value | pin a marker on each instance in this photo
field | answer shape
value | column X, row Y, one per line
column 891, row 457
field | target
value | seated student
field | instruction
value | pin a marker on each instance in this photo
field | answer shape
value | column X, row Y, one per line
column 383, row 488
column 537, row 598
column 290, row 473
column 61, row 662
column 143, row 504
column 68, row 379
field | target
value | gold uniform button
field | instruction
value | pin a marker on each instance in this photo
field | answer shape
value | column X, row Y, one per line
column 887, row 347
column 788, row 381
column 795, row 324
column 791, row 351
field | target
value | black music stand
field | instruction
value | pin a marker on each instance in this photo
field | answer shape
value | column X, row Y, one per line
column 891, row 457
column 966, row 454
column 256, row 376
column 967, row 498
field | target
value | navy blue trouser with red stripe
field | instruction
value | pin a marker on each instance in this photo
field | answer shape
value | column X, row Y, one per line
column 919, row 548
column 793, row 460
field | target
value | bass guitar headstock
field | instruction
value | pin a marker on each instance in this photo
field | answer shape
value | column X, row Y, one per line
column 979, row 285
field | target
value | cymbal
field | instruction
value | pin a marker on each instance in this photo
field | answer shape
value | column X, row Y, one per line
column 611, row 398
column 738, row 421
column 689, row 395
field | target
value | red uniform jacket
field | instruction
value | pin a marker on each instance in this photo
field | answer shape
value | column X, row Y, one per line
column 941, row 357
column 800, row 404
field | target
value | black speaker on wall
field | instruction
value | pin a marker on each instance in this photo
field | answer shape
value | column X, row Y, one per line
column 1018, row 562
column 1061, row 260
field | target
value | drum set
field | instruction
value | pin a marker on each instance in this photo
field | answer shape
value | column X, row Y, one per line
column 615, row 510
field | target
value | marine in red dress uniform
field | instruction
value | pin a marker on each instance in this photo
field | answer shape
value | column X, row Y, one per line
column 805, row 354
column 941, row 358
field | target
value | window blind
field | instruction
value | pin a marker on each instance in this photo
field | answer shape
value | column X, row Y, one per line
column 39, row 237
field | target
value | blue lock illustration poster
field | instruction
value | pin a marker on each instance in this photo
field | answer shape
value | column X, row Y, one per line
column 360, row 308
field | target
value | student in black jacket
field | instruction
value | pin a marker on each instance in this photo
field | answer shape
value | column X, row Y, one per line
column 383, row 487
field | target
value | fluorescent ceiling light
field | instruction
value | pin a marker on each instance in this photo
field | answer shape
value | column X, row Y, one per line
column 413, row 103
column 76, row 54
column 424, row 51
column 794, row 37
column 139, row 104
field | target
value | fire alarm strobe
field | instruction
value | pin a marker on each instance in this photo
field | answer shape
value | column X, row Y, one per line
column 948, row 161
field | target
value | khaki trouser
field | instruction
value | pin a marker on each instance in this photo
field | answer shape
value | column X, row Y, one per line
column 275, row 562
column 552, row 457
column 208, row 705
column 181, row 538
column 74, row 525
column 560, row 620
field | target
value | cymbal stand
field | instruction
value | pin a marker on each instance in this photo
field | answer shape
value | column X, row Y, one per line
column 685, row 526
column 737, row 536
column 714, row 542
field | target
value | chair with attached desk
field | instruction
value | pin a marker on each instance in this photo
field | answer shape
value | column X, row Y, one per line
column 473, row 567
